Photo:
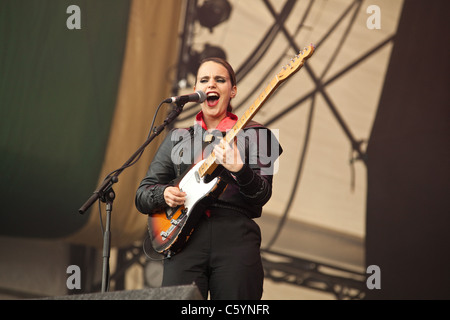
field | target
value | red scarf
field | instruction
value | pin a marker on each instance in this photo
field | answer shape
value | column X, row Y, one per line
column 225, row 124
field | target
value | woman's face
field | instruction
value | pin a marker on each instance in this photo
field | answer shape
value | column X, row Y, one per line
column 213, row 79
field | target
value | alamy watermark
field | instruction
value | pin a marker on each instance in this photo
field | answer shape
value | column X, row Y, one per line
column 74, row 20
column 258, row 146
column 374, row 20
column 74, row 280
column 374, row 280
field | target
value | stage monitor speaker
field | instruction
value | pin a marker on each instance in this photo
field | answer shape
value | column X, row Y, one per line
column 186, row 292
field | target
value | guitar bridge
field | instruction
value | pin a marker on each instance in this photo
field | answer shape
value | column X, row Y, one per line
column 164, row 235
column 174, row 223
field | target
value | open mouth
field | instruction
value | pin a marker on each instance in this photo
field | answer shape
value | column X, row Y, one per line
column 212, row 99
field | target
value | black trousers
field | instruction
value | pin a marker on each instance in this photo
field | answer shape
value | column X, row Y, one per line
column 222, row 258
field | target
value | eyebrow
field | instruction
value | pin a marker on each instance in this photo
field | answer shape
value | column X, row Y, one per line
column 215, row 77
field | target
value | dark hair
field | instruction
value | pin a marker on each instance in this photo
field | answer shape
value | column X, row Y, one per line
column 227, row 66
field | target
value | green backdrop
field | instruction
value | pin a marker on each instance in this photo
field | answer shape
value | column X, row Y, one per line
column 58, row 89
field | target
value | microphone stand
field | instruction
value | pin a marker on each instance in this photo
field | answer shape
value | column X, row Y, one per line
column 107, row 195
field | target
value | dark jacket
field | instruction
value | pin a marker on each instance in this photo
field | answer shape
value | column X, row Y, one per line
column 247, row 190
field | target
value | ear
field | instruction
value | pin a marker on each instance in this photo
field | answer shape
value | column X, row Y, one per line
column 233, row 92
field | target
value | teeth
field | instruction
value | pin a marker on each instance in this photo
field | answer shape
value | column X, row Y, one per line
column 212, row 94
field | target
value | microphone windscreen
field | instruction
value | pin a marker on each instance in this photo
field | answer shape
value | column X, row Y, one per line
column 202, row 96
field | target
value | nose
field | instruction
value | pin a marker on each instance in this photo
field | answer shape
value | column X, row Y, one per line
column 211, row 83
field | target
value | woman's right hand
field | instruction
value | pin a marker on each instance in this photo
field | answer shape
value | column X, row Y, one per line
column 174, row 196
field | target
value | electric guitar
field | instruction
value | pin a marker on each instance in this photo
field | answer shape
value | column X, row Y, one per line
column 171, row 228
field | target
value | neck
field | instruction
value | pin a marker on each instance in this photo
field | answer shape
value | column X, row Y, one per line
column 212, row 122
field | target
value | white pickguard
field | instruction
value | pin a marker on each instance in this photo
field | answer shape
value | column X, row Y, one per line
column 195, row 187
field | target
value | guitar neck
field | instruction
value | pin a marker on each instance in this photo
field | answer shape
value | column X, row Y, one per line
column 210, row 162
column 296, row 64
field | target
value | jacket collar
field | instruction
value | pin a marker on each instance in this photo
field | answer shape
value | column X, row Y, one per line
column 227, row 123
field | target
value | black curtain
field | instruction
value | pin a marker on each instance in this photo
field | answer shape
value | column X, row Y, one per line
column 408, row 200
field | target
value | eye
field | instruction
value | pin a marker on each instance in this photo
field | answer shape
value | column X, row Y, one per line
column 203, row 80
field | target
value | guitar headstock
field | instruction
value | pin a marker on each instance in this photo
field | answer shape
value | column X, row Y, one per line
column 296, row 63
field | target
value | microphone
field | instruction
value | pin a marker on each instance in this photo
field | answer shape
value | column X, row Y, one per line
column 198, row 96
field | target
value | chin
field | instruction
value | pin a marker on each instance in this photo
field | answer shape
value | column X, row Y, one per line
column 214, row 111
column 217, row 114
